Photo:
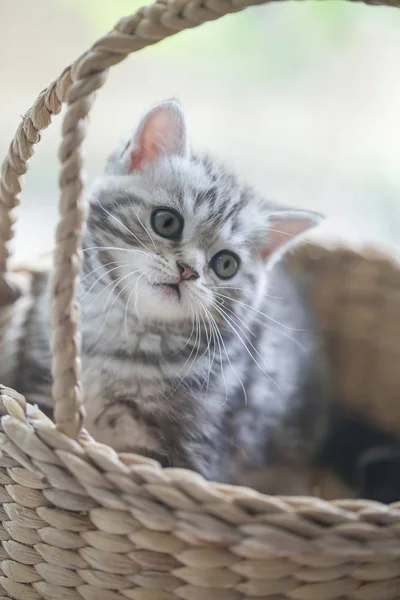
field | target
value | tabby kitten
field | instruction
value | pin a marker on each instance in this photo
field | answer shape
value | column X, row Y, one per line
column 198, row 347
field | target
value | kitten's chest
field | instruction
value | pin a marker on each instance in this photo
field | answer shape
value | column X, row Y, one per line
column 133, row 390
column 123, row 402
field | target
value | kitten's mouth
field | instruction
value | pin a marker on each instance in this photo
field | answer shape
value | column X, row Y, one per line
column 170, row 288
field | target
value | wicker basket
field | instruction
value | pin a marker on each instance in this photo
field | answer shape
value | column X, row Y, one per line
column 80, row 521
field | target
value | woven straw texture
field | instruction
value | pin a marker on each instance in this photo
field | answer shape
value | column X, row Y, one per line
column 79, row 521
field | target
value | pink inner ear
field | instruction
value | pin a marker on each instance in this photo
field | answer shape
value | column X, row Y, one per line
column 282, row 230
column 161, row 134
column 146, row 153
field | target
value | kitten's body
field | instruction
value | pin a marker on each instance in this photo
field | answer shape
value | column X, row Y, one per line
column 206, row 423
column 241, row 404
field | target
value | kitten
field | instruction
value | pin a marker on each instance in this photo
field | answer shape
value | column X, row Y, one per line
column 198, row 346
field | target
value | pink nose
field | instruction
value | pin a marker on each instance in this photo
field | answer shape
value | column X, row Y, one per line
column 187, row 273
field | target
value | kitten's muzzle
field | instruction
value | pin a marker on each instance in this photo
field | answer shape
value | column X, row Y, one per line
column 187, row 273
column 175, row 287
column 172, row 286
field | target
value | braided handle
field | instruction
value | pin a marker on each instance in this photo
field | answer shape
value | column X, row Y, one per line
column 14, row 166
column 77, row 85
column 148, row 26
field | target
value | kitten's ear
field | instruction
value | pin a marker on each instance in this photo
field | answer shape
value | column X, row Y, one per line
column 284, row 227
column 161, row 132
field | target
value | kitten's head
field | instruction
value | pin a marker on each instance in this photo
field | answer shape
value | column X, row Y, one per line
column 177, row 230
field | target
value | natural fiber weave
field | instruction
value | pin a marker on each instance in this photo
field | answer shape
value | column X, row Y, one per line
column 356, row 295
column 79, row 521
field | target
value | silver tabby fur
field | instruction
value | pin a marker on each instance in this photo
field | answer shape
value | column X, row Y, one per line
column 226, row 378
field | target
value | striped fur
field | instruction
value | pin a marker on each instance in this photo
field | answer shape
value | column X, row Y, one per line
column 222, row 379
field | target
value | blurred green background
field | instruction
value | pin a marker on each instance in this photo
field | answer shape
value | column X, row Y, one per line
column 302, row 98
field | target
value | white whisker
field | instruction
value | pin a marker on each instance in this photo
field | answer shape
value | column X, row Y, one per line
column 207, row 350
column 126, row 312
column 125, row 227
column 263, row 323
column 230, row 363
column 197, row 346
column 129, row 250
column 187, row 341
column 111, row 307
column 228, row 320
column 146, row 230
column 185, row 363
column 137, row 295
column 209, row 337
column 247, row 290
column 259, row 312
column 106, row 272
column 103, row 266
column 115, row 282
column 218, row 339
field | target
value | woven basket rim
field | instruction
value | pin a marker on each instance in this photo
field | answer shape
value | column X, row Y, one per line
column 35, row 441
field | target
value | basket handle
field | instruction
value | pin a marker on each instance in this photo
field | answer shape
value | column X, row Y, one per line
column 77, row 85
column 35, row 120
column 148, row 26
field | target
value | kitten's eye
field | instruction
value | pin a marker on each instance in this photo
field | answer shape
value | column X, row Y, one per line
column 167, row 223
column 225, row 264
